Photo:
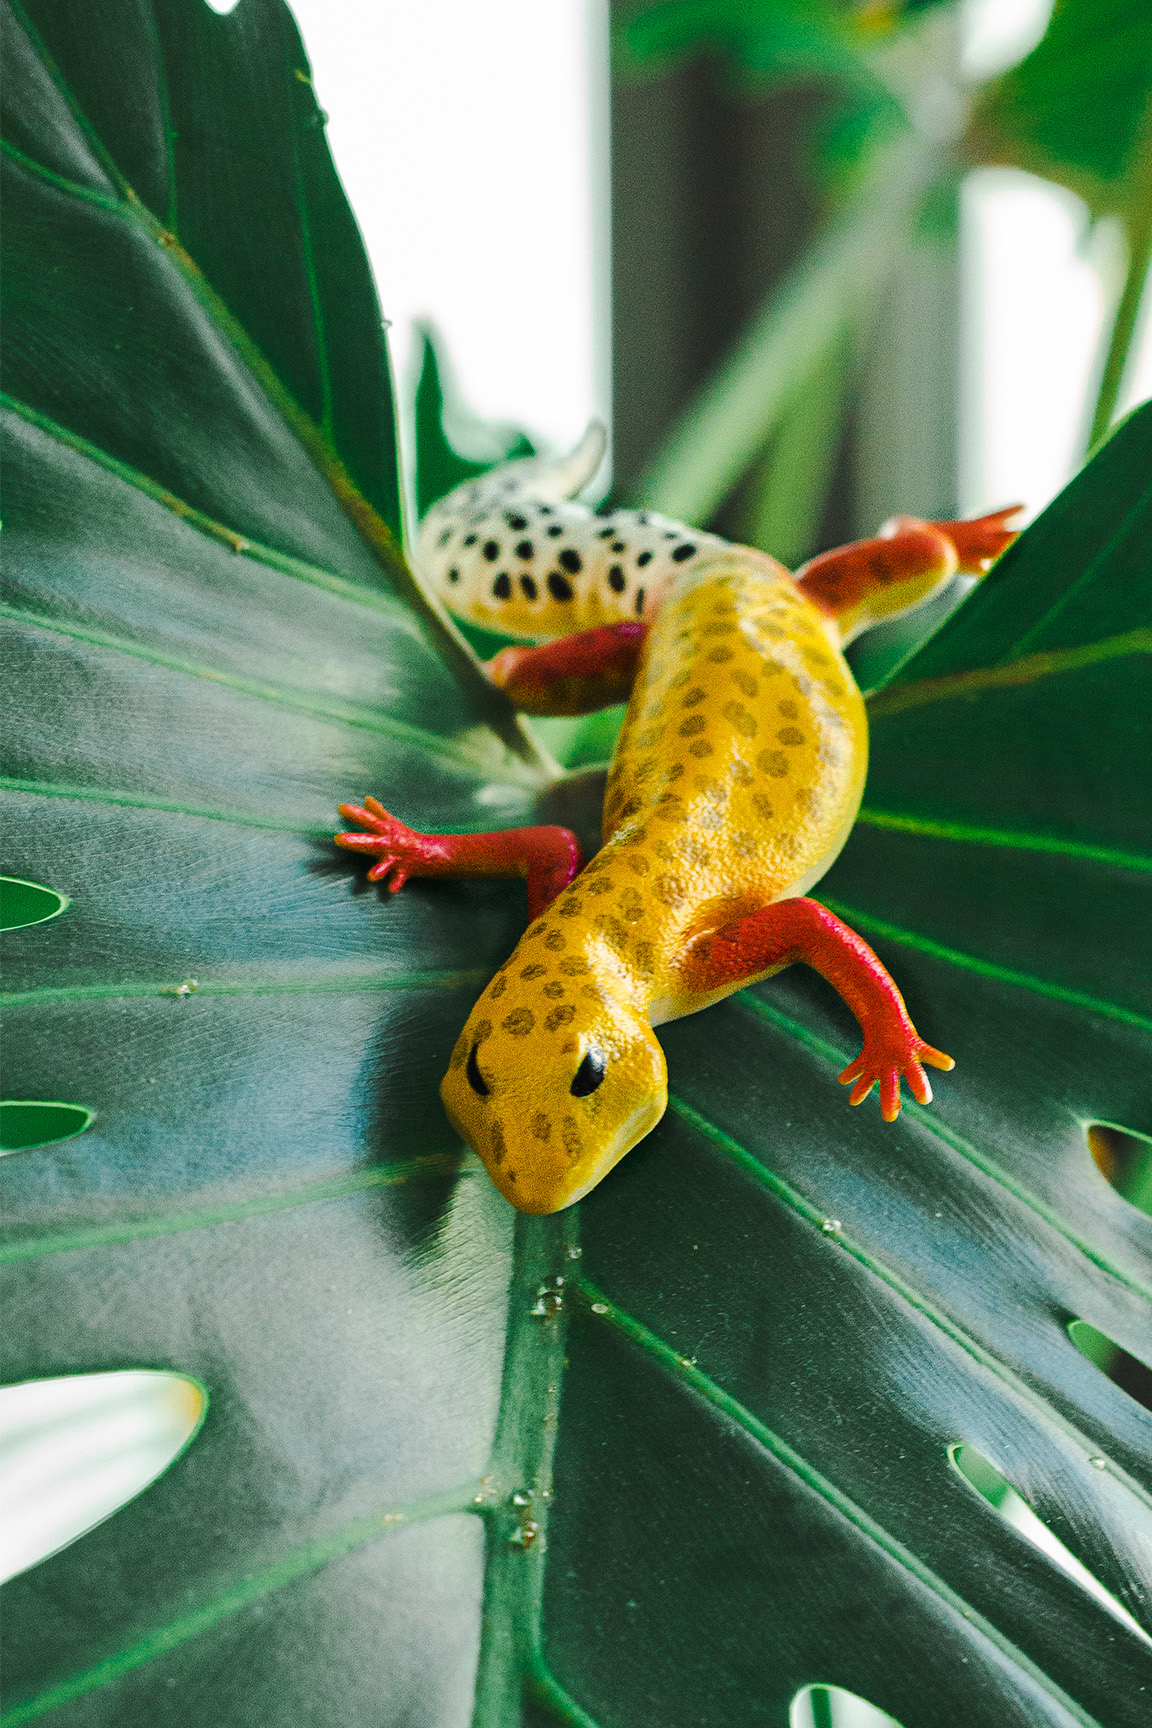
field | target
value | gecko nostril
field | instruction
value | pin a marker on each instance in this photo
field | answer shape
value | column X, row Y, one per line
column 475, row 1078
column 589, row 1074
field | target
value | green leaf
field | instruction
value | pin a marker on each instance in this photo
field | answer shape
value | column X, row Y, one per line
column 712, row 1467
column 440, row 464
column 1078, row 109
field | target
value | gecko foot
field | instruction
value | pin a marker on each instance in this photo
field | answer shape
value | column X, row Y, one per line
column 884, row 1058
column 979, row 542
column 397, row 848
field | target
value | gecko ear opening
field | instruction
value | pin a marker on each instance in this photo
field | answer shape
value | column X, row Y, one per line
column 589, row 1074
column 475, row 1078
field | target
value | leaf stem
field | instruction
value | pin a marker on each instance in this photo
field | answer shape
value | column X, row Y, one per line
column 722, row 431
column 1123, row 330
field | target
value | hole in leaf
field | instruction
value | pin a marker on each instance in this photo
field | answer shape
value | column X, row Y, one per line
column 76, row 1449
column 1126, row 1371
column 28, row 1122
column 833, row 1707
column 1125, row 1160
column 24, row 903
column 1015, row 1510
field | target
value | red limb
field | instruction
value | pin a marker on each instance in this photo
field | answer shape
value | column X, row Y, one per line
column 575, row 675
column 980, row 540
column 548, row 857
column 907, row 553
column 792, row 930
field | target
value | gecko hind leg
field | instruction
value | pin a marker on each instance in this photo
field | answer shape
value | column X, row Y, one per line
column 908, row 562
column 577, row 674
column 547, row 857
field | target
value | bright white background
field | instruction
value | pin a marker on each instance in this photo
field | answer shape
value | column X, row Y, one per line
column 472, row 140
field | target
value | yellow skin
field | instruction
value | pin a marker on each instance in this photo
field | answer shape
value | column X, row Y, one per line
column 735, row 783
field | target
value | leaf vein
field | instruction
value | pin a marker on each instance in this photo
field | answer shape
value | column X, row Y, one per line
column 1009, row 838
column 308, row 1559
column 741, row 1417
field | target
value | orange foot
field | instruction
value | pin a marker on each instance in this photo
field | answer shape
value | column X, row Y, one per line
column 397, row 849
column 885, row 1057
column 980, row 541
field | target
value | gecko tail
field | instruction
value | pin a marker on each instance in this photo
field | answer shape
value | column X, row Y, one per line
column 553, row 481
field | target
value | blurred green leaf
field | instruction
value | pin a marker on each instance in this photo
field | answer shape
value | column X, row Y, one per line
column 717, row 1470
column 440, row 463
column 1078, row 108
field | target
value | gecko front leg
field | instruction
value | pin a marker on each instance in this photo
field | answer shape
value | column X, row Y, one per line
column 547, row 857
column 776, row 936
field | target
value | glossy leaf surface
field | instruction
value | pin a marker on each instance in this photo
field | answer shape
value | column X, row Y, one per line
column 435, row 1485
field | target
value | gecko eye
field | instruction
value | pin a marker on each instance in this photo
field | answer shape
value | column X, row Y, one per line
column 588, row 1075
column 475, row 1078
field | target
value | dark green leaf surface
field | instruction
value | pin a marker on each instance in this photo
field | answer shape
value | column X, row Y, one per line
column 735, row 1425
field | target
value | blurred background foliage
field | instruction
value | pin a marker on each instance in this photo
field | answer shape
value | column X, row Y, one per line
column 786, row 256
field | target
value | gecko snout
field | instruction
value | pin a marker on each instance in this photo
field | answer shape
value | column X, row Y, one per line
column 551, row 1107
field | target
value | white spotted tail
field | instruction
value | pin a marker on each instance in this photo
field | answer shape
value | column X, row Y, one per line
column 512, row 553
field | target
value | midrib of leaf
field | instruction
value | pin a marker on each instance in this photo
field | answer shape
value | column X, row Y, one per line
column 1008, row 838
column 1030, row 669
column 140, row 1228
column 987, row 968
column 366, row 720
column 282, row 562
column 931, row 1121
column 647, row 1341
column 511, row 1658
column 242, row 1595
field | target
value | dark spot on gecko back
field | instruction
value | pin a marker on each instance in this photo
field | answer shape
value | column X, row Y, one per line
column 502, row 587
column 559, row 586
column 570, row 560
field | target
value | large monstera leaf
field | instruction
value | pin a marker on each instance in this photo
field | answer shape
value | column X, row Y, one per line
column 436, row 1486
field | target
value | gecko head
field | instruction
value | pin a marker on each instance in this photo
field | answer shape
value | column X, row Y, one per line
column 551, row 1082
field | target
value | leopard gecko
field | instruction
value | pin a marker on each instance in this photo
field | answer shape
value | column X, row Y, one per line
column 734, row 784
